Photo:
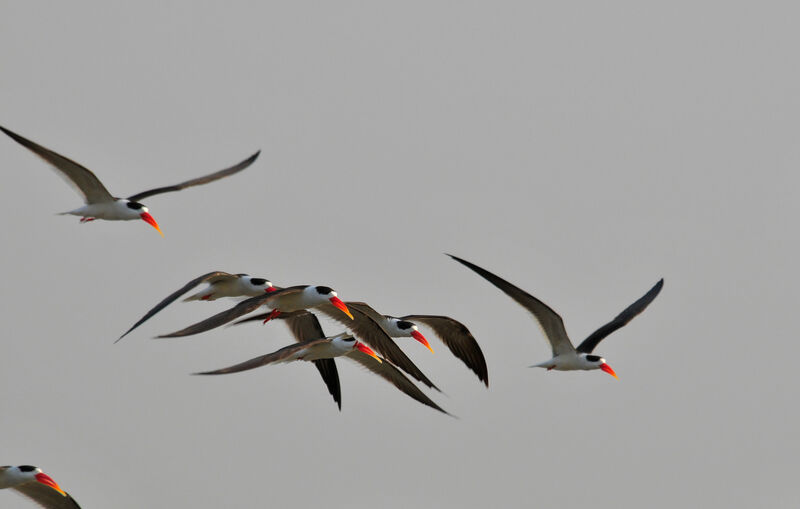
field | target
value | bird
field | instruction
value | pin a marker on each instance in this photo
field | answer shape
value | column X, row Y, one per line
column 367, row 330
column 220, row 284
column 453, row 333
column 100, row 203
column 343, row 344
column 285, row 300
column 31, row 482
column 565, row 356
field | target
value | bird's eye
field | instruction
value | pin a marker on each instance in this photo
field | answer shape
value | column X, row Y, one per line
column 324, row 290
column 403, row 324
column 593, row 358
column 134, row 205
column 258, row 281
column 26, row 468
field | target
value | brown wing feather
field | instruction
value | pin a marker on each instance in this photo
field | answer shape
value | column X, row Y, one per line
column 199, row 180
column 458, row 339
column 79, row 177
column 262, row 360
column 244, row 307
column 551, row 323
column 177, row 293
column 393, row 375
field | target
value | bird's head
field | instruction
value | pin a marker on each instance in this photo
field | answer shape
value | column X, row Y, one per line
column 348, row 342
column 597, row 362
column 258, row 284
column 29, row 473
column 139, row 210
column 409, row 329
column 324, row 294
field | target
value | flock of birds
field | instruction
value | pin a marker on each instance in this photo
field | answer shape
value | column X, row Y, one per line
column 367, row 340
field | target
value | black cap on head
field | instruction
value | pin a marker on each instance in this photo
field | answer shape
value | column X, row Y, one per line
column 324, row 290
column 135, row 205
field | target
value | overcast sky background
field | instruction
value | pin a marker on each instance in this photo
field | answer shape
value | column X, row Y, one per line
column 580, row 151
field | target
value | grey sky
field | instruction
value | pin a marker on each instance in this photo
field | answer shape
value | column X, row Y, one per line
column 580, row 151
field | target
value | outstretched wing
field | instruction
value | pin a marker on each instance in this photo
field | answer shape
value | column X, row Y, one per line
column 199, row 180
column 276, row 356
column 551, row 323
column 210, row 277
column 305, row 326
column 244, row 307
column 621, row 319
column 81, row 178
column 393, row 375
column 458, row 339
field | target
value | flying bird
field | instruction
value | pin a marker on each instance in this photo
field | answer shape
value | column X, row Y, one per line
column 285, row 300
column 100, row 204
column 33, row 483
column 220, row 284
column 565, row 356
column 367, row 330
column 331, row 347
column 453, row 333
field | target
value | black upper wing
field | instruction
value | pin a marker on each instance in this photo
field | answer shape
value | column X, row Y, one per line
column 458, row 339
column 621, row 319
column 305, row 326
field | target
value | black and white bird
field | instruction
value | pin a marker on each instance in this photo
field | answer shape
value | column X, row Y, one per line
column 328, row 348
column 365, row 328
column 284, row 300
column 565, row 356
column 33, row 483
column 100, row 203
column 310, row 350
column 453, row 333
column 220, row 284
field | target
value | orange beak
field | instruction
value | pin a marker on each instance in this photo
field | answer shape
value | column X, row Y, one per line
column 419, row 337
column 336, row 301
column 605, row 367
column 147, row 218
column 367, row 350
column 48, row 481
